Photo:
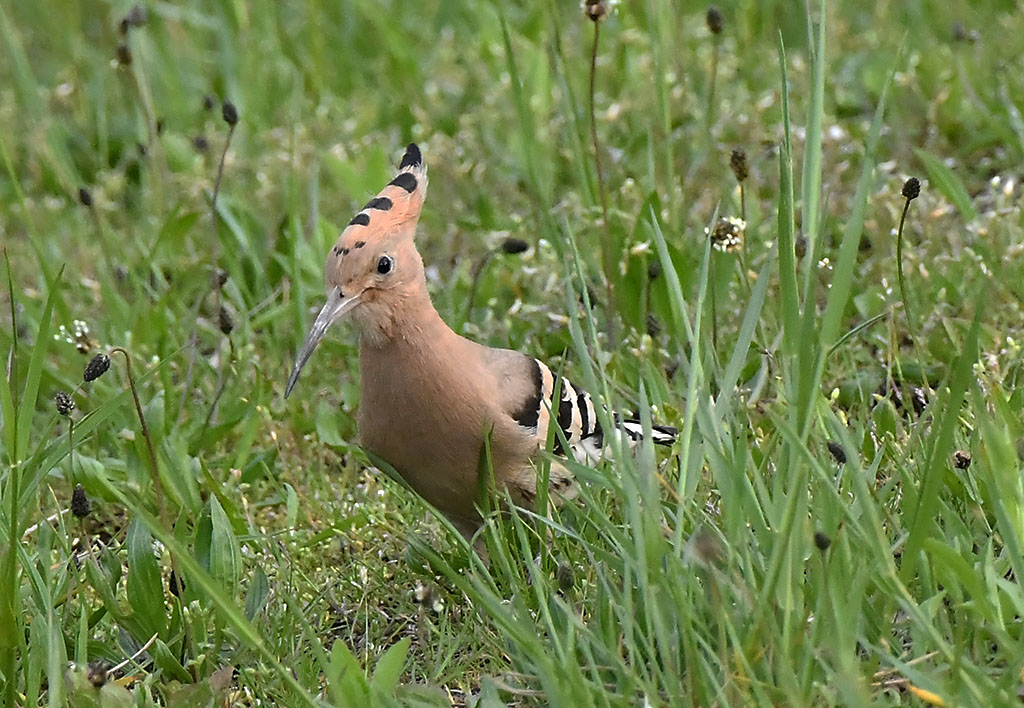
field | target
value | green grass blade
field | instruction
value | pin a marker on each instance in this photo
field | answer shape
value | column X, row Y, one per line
column 28, row 401
column 751, row 318
column 940, row 445
column 811, row 177
column 8, row 412
column 948, row 184
column 786, row 225
column 845, row 267
column 695, row 378
column 527, row 128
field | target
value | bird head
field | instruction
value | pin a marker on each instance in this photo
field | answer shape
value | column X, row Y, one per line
column 374, row 262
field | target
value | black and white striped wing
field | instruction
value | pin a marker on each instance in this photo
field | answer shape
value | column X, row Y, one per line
column 573, row 410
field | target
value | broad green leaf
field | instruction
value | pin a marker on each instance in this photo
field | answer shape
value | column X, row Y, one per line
column 224, row 558
column 81, row 692
column 144, row 585
column 114, row 695
column 345, row 676
column 256, row 596
column 326, row 427
column 167, row 662
column 389, row 668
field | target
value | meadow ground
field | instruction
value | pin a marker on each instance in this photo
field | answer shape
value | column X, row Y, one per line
column 842, row 519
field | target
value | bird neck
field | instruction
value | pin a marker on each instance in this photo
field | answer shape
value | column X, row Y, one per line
column 412, row 323
column 405, row 367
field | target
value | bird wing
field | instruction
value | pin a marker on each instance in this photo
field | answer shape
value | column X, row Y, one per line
column 535, row 395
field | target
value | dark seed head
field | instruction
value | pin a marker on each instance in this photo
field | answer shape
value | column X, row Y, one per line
column 64, row 402
column 124, row 54
column 84, row 197
column 962, row 34
column 229, row 113
column 715, row 20
column 671, row 368
column 80, row 504
column 136, row 17
column 653, row 325
column 800, row 246
column 822, row 541
column 653, row 270
column 96, row 368
column 837, row 451
column 912, row 188
column 96, row 672
column 513, row 246
column 175, row 584
column 225, row 321
column 564, row 576
column 738, row 163
column 961, row 459
column 208, row 102
column 596, row 11
column 200, row 143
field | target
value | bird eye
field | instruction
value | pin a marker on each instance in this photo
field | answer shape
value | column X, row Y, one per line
column 384, row 265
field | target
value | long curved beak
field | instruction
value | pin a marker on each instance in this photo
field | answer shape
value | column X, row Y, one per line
column 333, row 310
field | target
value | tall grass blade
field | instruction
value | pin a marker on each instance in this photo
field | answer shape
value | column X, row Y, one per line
column 751, row 318
column 948, row 183
column 939, row 445
column 786, row 225
column 28, row 401
column 694, row 369
column 845, row 267
column 811, row 177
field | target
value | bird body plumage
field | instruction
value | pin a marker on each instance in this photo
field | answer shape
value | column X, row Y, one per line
column 431, row 398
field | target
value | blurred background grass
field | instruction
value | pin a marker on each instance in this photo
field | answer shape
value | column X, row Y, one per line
column 273, row 501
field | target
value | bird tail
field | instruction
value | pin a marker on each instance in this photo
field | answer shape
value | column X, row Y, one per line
column 660, row 434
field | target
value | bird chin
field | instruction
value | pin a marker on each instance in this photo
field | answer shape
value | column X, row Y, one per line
column 374, row 326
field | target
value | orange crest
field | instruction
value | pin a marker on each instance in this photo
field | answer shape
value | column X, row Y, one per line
column 394, row 209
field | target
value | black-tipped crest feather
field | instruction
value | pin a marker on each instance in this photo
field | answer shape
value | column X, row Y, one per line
column 412, row 157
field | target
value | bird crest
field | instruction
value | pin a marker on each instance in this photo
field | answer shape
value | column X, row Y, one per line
column 394, row 209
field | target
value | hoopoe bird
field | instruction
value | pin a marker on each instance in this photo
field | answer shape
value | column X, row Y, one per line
column 432, row 399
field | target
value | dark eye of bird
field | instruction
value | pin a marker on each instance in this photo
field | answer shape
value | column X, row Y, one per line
column 384, row 265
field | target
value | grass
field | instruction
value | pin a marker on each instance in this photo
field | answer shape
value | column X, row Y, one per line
column 842, row 519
